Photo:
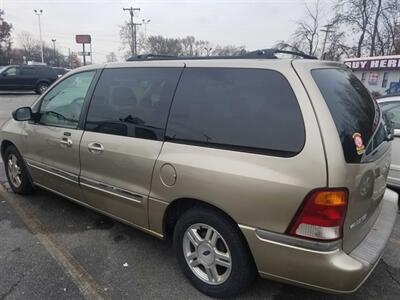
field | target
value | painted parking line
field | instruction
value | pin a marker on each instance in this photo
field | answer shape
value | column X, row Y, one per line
column 86, row 284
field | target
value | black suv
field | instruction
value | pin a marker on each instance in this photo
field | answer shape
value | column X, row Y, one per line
column 27, row 78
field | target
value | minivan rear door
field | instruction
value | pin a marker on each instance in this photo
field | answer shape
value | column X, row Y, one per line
column 355, row 139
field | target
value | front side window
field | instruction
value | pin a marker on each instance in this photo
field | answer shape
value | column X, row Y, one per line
column 62, row 105
column 392, row 111
column 250, row 110
column 133, row 102
column 11, row 71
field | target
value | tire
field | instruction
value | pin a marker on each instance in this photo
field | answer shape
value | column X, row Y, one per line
column 41, row 87
column 15, row 166
column 226, row 238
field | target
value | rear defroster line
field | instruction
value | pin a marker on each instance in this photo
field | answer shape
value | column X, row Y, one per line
column 86, row 284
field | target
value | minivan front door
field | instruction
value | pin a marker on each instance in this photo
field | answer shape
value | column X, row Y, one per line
column 52, row 151
column 124, row 133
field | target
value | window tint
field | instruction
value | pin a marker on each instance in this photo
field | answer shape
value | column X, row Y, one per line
column 392, row 110
column 352, row 108
column 29, row 72
column 237, row 109
column 62, row 105
column 133, row 102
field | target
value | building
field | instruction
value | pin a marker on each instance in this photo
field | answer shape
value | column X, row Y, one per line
column 380, row 74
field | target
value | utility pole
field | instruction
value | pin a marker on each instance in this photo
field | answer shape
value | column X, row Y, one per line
column 54, row 51
column 133, row 28
column 327, row 31
column 39, row 13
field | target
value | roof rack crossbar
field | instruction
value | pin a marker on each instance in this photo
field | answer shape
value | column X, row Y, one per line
column 272, row 52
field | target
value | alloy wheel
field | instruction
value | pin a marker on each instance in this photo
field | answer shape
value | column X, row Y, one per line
column 14, row 170
column 207, row 254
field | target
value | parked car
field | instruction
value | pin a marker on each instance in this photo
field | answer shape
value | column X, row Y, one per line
column 250, row 164
column 26, row 78
column 60, row 71
column 391, row 106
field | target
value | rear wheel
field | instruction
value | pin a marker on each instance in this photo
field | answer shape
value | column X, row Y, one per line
column 16, row 172
column 41, row 87
column 212, row 253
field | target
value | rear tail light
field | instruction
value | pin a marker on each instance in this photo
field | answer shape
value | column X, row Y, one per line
column 321, row 216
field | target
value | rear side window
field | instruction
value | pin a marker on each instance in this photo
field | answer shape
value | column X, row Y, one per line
column 353, row 110
column 28, row 72
column 252, row 110
column 133, row 102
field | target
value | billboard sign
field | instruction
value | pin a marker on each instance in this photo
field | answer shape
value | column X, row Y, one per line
column 374, row 64
column 83, row 38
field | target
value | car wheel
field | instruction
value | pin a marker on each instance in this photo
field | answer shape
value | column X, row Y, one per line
column 16, row 171
column 42, row 87
column 212, row 253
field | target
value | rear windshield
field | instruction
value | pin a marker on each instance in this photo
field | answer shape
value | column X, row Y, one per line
column 355, row 113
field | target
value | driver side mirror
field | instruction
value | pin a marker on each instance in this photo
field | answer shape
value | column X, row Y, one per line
column 23, row 114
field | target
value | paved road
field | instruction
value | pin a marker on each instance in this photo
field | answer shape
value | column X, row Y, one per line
column 51, row 248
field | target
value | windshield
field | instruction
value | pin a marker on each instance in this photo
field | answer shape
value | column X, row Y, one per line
column 355, row 113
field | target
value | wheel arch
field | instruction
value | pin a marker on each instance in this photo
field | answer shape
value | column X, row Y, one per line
column 4, row 145
column 179, row 206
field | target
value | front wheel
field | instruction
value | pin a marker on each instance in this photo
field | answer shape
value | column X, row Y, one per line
column 212, row 253
column 42, row 87
column 16, row 171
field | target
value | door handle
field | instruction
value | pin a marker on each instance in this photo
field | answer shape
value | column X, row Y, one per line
column 66, row 142
column 95, row 148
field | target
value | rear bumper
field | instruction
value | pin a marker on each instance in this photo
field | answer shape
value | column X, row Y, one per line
column 330, row 269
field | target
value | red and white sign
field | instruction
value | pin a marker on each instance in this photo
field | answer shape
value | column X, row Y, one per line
column 83, row 39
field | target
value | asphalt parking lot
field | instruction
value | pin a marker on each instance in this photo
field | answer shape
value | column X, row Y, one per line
column 51, row 248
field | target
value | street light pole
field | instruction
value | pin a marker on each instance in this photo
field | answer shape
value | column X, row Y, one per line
column 145, row 22
column 54, row 51
column 39, row 13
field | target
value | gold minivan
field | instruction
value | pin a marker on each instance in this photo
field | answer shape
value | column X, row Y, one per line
column 250, row 164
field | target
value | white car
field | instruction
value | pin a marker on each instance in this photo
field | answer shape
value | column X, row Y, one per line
column 391, row 106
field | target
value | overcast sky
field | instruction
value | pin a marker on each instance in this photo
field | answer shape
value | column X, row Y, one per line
column 254, row 23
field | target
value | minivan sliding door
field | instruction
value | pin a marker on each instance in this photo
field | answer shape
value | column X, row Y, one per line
column 123, row 136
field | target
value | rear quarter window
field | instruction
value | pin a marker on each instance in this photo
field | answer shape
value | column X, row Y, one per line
column 352, row 109
column 250, row 110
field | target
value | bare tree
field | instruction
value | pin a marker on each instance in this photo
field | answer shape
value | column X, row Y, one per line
column 30, row 46
column 306, row 35
column 358, row 14
column 378, row 11
column 111, row 57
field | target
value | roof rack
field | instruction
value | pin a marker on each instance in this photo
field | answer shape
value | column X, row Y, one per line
column 272, row 52
column 263, row 54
